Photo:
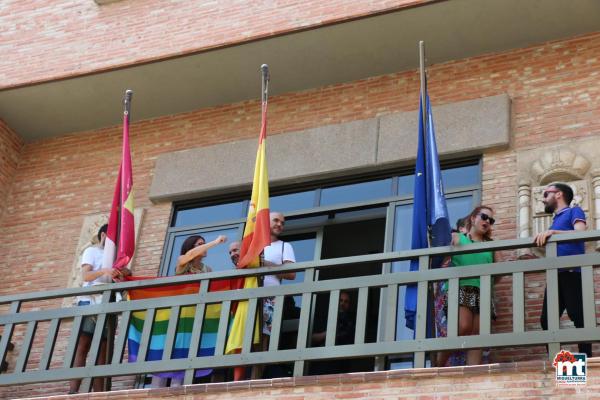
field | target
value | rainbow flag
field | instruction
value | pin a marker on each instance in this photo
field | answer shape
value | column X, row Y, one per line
column 257, row 235
column 185, row 325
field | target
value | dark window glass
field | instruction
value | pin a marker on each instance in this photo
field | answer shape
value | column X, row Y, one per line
column 459, row 207
column 217, row 257
column 357, row 192
column 452, row 177
column 461, row 176
column 209, row 214
column 367, row 213
column 292, row 201
column 406, row 185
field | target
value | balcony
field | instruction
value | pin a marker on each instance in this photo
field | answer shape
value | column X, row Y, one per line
column 23, row 314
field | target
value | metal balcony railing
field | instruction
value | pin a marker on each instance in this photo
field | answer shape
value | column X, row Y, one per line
column 30, row 309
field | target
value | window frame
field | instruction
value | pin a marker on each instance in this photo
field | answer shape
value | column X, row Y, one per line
column 390, row 202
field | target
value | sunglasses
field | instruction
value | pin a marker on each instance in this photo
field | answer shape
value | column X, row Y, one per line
column 547, row 192
column 485, row 217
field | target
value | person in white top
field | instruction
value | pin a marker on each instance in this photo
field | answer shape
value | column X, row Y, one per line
column 93, row 274
column 276, row 254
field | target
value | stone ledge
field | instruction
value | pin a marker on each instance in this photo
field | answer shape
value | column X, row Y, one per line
column 463, row 129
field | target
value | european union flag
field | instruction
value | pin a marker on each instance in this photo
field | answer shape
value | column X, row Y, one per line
column 430, row 214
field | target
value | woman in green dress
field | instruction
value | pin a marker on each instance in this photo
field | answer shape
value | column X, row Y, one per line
column 479, row 229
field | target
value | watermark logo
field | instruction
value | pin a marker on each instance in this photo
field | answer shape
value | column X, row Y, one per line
column 571, row 368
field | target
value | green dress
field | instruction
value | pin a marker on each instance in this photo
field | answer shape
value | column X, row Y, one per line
column 485, row 257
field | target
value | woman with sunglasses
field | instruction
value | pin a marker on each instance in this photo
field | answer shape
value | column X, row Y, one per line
column 479, row 229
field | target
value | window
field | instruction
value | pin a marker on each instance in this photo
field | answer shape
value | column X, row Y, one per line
column 320, row 208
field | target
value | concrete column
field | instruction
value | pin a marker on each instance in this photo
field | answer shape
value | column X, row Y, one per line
column 524, row 209
column 524, row 195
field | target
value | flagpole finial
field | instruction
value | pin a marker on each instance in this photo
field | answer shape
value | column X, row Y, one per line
column 127, row 100
column 266, row 77
column 265, row 71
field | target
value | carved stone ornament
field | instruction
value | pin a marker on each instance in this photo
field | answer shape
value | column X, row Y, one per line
column 577, row 163
column 89, row 237
column 559, row 164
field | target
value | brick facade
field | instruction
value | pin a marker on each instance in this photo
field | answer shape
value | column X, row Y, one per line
column 555, row 94
column 500, row 381
column 10, row 148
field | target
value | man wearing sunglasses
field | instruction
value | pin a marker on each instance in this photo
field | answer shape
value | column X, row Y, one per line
column 557, row 198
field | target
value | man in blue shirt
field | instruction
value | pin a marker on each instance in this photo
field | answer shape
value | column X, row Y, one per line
column 557, row 198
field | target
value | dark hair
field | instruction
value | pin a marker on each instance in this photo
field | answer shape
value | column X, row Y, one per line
column 474, row 213
column 190, row 243
column 461, row 222
column 103, row 229
column 566, row 191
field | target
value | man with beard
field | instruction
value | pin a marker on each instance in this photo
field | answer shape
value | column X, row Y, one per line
column 557, row 198
column 344, row 334
column 234, row 252
column 346, row 324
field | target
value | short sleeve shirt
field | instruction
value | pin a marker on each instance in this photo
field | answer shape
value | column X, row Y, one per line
column 93, row 256
column 277, row 253
column 565, row 220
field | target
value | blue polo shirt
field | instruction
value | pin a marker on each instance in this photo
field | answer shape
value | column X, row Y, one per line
column 565, row 220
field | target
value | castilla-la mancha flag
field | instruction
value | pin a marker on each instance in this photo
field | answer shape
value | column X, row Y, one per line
column 120, row 237
column 257, row 235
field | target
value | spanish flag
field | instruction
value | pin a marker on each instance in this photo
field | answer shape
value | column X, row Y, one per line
column 121, row 225
column 257, row 235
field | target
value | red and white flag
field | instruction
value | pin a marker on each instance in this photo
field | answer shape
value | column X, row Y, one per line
column 120, row 237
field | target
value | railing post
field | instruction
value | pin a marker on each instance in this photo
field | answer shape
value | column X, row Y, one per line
column 73, row 340
column 222, row 329
column 332, row 314
column 276, row 323
column 422, row 313
column 171, row 332
column 250, row 327
column 587, row 297
column 188, row 378
column 485, row 306
column 111, row 327
column 303, row 324
column 26, row 346
column 86, row 383
column 8, row 332
column 452, row 318
column 361, row 315
column 49, row 344
column 386, row 268
column 552, row 300
column 119, row 347
column 518, row 295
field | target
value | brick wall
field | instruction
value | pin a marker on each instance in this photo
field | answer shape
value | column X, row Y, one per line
column 534, row 379
column 555, row 94
column 65, row 38
column 10, row 147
